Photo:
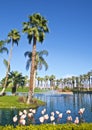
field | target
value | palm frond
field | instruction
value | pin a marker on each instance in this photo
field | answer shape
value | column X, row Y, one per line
column 28, row 64
column 43, row 52
column 4, row 49
column 6, row 63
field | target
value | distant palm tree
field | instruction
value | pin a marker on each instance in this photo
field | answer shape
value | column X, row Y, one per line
column 46, row 79
column 52, row 78
column 84, row 80
column 13, row 38
column 73, row 82
column 61, row 83
column 65, row 82
column 77, row 82
column 35, row 29
column 89, row 74
column 38, row 79
column 39, row 61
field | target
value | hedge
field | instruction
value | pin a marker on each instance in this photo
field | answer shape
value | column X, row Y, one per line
column 84, row 126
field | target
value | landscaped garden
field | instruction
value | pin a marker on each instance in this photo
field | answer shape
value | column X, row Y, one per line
column 32, row 102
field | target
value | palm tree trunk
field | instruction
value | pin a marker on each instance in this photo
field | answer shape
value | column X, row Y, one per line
column 8, row 69
column 14, row 89
column 32, row 72
column 34, row 81
column 89, row 82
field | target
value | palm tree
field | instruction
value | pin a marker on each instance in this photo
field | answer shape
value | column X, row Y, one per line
column 13, row 38
column 52, row 78
column 77, row 83
column 2, row 47
column 39, row 61
column 65, row 82
column 17, row 80
column 38, row 79
column 2, row 50
column 81, row 81
column 35, row 29
column 46, row 78
column 89, row 74
column 73, row 82
column 85, row 81
column 61, row 83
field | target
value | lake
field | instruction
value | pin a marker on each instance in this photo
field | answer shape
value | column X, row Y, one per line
column 55, row 102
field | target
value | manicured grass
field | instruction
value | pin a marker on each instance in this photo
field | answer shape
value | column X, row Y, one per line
column 25, row 89
column 20, row 89
column 14, row 102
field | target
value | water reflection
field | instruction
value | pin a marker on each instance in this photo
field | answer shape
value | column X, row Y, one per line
column 64, row 102
column 55, row 102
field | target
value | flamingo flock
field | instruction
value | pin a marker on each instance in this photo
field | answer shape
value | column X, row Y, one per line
column 26, row 117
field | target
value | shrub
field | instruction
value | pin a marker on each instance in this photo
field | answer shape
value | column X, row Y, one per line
column 84, row 126
column 22, row 99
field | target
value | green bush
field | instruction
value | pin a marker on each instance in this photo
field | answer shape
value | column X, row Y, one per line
column 84, row 126
column 66, row 88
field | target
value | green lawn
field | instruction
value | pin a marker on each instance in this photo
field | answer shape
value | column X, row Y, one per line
column 14, row 102
column 20, row 89
column 24, row 89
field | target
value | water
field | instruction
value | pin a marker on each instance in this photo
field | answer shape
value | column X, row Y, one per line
column 59, row 102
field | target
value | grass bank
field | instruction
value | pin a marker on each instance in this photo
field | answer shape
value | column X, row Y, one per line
column 17, row 102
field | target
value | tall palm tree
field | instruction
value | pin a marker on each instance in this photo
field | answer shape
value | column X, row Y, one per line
column 39, row 61
column 13, row 38
column 2, row 50
column 35, row 29
column 2, row 47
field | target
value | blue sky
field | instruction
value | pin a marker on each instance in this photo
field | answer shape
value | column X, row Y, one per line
column 69, row 41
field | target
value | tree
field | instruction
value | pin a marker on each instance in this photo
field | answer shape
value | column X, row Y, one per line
column 13, row 38
column 46, row 78
column 89, row 74
column 2, row 50
column 73, row 82
column 38, row 79
column 52, row 78
column 35, row 29
column 17, row 80
column 2, row 47
column 39, row 61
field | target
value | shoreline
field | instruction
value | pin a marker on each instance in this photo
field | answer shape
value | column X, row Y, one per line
column 70, row 93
